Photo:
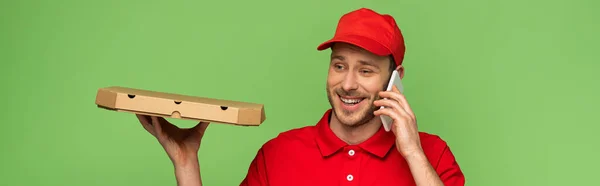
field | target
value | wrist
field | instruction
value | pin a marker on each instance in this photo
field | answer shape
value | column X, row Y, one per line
column 184, row 159
column 190, row 163
column 188, row 173
column 415, row 155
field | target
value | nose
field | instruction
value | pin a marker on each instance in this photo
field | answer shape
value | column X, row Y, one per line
column 350, row 82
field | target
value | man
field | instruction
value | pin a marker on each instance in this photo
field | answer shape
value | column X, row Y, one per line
column 348, row 146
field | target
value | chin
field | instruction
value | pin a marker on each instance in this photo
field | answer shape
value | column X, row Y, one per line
column 354, row 114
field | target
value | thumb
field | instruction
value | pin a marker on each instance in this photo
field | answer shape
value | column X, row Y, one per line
column 201, row 127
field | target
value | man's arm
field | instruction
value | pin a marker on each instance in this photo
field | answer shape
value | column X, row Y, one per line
column 188, row 174
column 446, row 171
column 181, row 145
column 408, row 143
column 422, row 171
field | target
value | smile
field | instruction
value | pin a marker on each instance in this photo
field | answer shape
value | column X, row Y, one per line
column 351, row 101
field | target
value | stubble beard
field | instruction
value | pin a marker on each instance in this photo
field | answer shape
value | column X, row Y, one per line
column 352, row 119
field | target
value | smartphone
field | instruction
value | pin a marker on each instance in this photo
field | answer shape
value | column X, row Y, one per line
column 394, row 80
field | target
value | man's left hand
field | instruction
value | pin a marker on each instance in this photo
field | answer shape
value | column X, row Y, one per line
column 405, row 123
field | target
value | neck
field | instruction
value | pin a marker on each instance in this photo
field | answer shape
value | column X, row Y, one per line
column 354, row 134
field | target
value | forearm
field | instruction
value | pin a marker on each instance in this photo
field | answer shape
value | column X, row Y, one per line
column 188, row 173
column 422, row 171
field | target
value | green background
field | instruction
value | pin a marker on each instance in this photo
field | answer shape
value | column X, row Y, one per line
column 511, row 85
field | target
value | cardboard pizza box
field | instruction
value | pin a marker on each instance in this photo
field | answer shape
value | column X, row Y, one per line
column 164, row 104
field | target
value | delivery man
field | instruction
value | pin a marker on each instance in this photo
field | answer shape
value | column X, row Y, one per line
column 348, row 146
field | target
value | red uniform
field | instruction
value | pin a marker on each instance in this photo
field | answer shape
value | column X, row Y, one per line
column 315, row 156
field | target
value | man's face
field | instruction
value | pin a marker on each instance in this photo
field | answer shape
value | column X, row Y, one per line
column 355, row 78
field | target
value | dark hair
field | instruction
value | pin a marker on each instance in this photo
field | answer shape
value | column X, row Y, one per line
column 392, row 64
column 392, row 67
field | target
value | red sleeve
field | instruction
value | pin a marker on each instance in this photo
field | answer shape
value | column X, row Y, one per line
column 257, row 173
column 448, row 169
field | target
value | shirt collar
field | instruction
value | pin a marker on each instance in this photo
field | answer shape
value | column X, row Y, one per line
column 379, row 144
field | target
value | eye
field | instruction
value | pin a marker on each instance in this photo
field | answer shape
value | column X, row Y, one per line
column 365, row 71
column 338, row 67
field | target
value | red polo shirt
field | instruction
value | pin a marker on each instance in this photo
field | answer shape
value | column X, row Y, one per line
column 315, row 156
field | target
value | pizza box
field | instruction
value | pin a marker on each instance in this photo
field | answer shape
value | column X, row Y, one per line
column 171, row 105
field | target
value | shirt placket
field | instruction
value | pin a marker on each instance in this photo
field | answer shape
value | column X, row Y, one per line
column 350, row 172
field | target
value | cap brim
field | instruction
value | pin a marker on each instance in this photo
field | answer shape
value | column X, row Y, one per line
column 362, row 42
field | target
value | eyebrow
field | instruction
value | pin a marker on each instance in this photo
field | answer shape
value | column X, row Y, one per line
column 368, row 63
column 337, row 57
column 362, row 62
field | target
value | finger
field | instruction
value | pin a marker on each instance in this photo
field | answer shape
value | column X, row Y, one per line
column 390, row 104
column 401, row 119
column 395, row 117
column 162, row 120
column 156, row 125
column 388, row 112
column 390, row 95
column 399, row 98
column 166, row 125
column 145, row 121
column 403, row 99
column 402, row 122
column 201, row 127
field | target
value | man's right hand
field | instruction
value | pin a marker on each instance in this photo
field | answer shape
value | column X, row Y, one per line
column 181, row 145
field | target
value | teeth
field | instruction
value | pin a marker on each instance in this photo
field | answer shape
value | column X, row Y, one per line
column 350, row 101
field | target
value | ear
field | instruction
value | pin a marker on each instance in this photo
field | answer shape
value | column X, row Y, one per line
column 400, row 70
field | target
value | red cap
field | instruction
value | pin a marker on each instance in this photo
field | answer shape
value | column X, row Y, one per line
column 374, row 32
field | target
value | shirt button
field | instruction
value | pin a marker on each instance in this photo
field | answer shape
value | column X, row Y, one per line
column 349, row 177
column 351, row 152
